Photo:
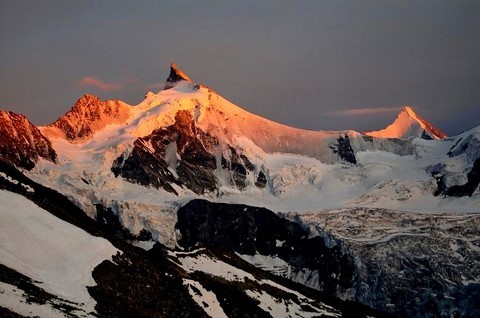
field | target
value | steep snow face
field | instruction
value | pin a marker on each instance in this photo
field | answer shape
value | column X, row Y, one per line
column 88, row 116
column 56, row 254
column 408, row 124
column 21, row 143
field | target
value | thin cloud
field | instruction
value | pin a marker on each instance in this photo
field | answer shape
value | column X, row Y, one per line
column 156, row 86
column 363, row 111
column 90, row 81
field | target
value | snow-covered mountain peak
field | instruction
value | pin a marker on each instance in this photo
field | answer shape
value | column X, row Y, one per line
column 407, row 125
column 176, row 75
column 89, row 115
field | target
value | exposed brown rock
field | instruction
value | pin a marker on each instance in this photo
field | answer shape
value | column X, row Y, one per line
column 21, row 143
column 89, row 115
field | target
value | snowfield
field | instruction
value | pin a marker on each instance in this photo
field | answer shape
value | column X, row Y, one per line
column 57, row 255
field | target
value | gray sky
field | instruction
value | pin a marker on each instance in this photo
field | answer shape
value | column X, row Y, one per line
column 302, row 63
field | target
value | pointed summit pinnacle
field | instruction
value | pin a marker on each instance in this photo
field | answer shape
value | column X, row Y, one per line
column 407, row 125
column 176, row 75
column 409, row 111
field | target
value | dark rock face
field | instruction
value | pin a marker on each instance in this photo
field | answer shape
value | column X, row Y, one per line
column 182, row 155
column 111, row 224
column 21, row 143
column 176, row 75
column 251, row 230
column 142, row 284
column 89, row 115
column 144, row 168
column 344, row 149
column 426, row 136
column 261, row 180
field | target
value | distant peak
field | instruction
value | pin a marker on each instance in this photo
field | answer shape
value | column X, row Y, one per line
column 176, row 75
column 86, row 100
column 89, row 115
column 409, row 124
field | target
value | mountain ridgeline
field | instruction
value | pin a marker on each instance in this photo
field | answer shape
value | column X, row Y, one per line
column 387, row 218
column 204, row 137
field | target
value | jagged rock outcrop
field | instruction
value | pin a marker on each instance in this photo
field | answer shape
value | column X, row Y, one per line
column 21, row 143
column 176, row 75
column 344, row 149
column 184, row 155
column 88, row 116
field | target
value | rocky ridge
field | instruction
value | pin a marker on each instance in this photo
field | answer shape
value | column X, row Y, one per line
column 88, row 116
column 21, row 143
